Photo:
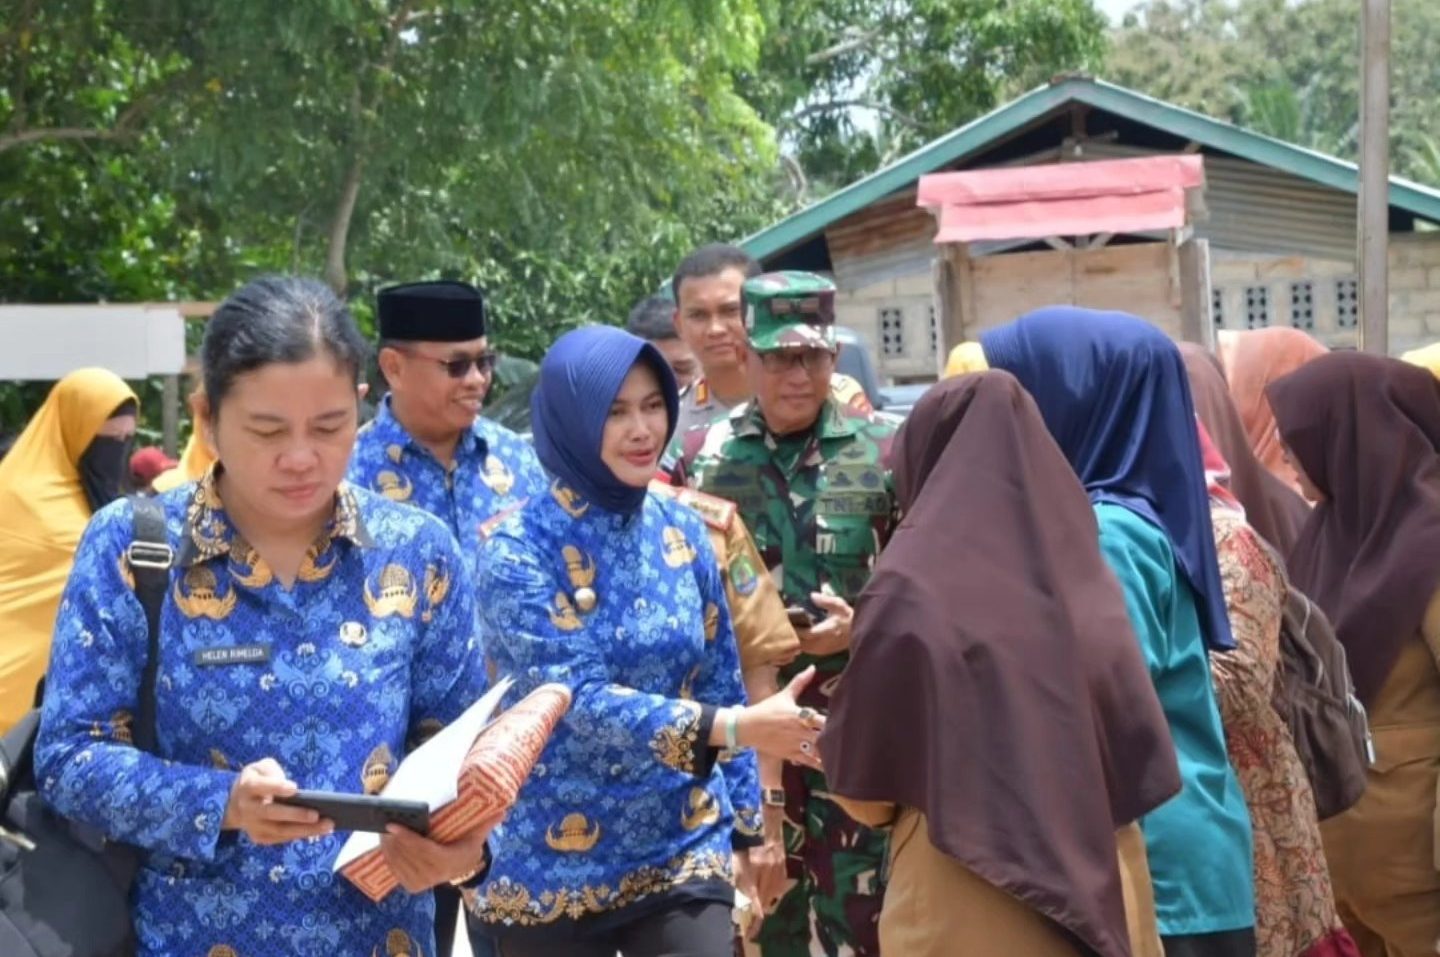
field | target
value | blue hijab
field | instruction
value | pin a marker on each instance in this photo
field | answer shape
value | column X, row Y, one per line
column 1113, row 391
column 579, row 379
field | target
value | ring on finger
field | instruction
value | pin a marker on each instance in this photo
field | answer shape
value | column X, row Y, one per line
column 805, row 747
column 805, row 714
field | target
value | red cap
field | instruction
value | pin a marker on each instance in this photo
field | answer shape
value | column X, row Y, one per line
column 148, row 463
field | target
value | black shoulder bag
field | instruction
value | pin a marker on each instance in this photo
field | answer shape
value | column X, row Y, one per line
column 64, row 889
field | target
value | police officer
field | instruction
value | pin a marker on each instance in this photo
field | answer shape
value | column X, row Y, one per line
column 709, row 317
column 653, row 319
column 428, row 446
column 810, row 477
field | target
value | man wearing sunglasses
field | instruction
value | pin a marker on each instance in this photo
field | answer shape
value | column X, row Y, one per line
column 428, row 445
column 810, row 476
column 709, row 318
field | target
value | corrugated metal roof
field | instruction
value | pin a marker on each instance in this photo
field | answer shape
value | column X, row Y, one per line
column 1255, row 207
column 975, row 137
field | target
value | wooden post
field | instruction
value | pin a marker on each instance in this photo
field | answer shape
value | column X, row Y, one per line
column 1374, row 199
column 944, row 307
column 1197, row 322
column 170, row 415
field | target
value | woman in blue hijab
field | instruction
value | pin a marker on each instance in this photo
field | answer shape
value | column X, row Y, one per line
column 1113, row 392
column 622, row 838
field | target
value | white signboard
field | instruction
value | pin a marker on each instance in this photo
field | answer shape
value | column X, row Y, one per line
column 48, row 342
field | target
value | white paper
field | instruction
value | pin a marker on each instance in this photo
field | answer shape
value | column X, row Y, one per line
column 431, row 773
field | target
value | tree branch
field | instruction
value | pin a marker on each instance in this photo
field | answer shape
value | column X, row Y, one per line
column 56, row 134
column 831, row 106
column 23, row 42
column 339, row 239
column 855, row 41
column 124, row 126
column 335, row 273
column 796, row 174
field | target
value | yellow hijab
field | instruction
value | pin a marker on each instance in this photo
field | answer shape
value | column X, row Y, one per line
column 43, row 510
column 194, row 462
column 965, row 358
column 1427, row 358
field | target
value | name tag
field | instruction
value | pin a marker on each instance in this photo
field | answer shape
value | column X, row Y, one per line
column 233, row 655
column 852, row 503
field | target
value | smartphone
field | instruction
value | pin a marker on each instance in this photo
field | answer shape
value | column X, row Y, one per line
column 363, row 812
column 800, row 617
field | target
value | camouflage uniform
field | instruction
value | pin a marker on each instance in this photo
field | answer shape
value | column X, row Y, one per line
column 701, row 407
column 820, row 507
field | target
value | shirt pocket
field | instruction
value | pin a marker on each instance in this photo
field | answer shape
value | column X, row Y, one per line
column 849, row 508
column 1404, row 779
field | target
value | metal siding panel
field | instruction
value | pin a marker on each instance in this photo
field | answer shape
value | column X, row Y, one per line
column 1259, row 209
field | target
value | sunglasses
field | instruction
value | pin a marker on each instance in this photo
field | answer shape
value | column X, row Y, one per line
column 459, row 368
column 783, row 360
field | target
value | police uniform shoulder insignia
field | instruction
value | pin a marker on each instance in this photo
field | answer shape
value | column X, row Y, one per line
column 664, row 489
column 717, row 512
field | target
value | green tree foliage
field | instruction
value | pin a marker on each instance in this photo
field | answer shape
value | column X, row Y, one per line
column 563, row 153
column 1288, row 68
column 853, row 84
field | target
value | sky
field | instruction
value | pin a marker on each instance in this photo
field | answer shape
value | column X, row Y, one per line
column 1115, row 9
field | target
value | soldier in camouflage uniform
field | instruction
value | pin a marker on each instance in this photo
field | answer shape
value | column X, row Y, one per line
column 709, row 318
column 811, row 479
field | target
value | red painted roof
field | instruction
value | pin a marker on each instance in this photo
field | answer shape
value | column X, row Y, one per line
column 1063, row 199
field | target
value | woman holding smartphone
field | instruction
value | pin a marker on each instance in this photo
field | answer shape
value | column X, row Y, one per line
column 311, row 634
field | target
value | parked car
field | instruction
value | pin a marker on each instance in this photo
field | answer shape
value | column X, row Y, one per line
column 858, row 363
column 900, row 399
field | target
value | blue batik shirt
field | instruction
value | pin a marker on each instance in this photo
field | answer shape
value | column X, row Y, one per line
column 495, row 470
column 628, row 806
column 335, row 678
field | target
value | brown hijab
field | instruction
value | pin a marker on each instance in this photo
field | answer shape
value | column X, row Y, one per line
column 994, row 682
column 1252, row 361
column 1274, row 510
column 1366, row 430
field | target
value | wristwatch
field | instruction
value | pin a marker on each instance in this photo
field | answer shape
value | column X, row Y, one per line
column 772, row 797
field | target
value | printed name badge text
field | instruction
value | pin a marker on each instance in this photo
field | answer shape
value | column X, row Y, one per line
column 233, row 655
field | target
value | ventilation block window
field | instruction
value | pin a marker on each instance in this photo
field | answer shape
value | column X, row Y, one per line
column 1302, row 305
column 892, row 332
column 1257, row 307
column 1347, row 303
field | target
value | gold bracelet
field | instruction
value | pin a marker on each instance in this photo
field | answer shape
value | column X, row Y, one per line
column 469, row 876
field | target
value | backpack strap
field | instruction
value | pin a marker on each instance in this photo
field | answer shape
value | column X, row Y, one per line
column 150, row 557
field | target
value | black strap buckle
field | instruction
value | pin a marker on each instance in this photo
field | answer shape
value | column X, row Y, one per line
column 150, row 555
